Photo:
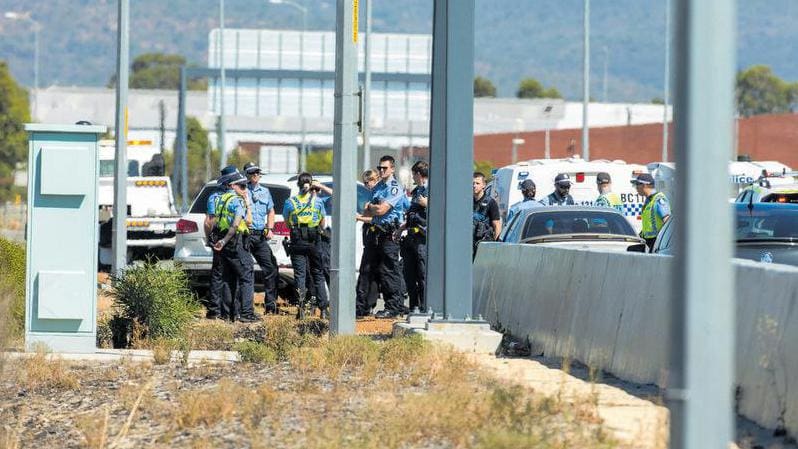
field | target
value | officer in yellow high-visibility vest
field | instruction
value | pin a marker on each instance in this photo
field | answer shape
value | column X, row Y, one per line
column 304, row 213
column 656, row 208
column 607, row 198
column 230, row 230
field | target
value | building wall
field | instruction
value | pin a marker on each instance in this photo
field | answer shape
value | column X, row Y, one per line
column 765, row 137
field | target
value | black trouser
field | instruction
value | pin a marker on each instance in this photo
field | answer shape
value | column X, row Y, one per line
column 307, row 262
column 216, row 287
column 650, row 243
column 414, row 257
column 384, row 255
column 237, row 274
column 368, row 287
column 262, row 252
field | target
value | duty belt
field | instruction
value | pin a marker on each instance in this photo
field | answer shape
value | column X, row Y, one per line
column 416, row 230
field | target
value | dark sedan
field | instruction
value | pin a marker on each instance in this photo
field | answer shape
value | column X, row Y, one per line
column 764, row 232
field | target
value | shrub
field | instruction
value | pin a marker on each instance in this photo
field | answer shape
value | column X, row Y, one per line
column 12, row 285
column 155, row 296
column 253, row 352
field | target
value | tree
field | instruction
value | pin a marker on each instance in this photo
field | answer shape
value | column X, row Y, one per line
column 198, row 144
column 483, row 87
column 532, row 88
column 319, row 162
column 760, row 91
column 486, row 168
column 657, row 100
column 159, row 71
column 14, row 113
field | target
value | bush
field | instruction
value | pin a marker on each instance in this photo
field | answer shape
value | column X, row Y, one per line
column 12, row 286
column 156, row 297
column 253, row 352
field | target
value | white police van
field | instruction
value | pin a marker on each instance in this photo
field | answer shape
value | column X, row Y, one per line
column 506, row 188
column 741, row 176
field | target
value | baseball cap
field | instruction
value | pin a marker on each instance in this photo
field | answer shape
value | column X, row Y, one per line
column 527, row 184
column 251, row 168
column 644, row 178
column 603, row 178
column 563, row 179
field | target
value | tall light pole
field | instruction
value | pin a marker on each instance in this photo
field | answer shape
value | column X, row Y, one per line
column 222, row 130
column 367, row 90
column 667, row 79
column 119, row 231
column 586, row 82
column 35, row 25
column 303, row 156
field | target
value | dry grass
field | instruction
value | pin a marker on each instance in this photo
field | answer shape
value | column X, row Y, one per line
column 44, row 372
column 208, row 407
column 211, row 335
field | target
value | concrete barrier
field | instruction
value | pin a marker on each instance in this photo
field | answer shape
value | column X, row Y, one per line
column 611, row 311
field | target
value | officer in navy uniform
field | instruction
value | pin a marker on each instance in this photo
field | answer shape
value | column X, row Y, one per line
column 561, row 195
column 229, row 235
column 304, row 213
column 529, row 202
column 381, row 250
column 216, row 290
column 486, row 220
column 260, row 232
column 414, row 244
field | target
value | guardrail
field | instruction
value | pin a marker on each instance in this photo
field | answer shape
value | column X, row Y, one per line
column 611, row 311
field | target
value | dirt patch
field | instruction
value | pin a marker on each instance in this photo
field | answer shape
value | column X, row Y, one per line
column 374, row 326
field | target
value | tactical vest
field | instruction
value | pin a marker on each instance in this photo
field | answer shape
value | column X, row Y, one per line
column 611, row 199
column 652, row 222
column 306, row 214
column 481, row 222
column 224, row 218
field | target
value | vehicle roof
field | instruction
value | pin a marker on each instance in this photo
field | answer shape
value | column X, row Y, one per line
column 563, row 209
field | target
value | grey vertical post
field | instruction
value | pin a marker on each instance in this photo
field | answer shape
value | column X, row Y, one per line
column 667, row 81
column 222, row 129
column 183, row 142
column 702, row 319
column 119, row 232
column 342, row 312
column 36, row 28
column 304, row 159
column 586, row 82
column 181, row 122
column 451, row 158
column 367, row 87
column 606, row 64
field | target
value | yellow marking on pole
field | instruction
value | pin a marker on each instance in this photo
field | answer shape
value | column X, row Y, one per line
column 126, row 116
column 355, row 18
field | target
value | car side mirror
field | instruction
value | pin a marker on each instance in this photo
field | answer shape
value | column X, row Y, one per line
column 637, row 248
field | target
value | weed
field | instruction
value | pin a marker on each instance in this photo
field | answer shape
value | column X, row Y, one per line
column 155, row 296
column 162, row 350
column 12, row 287
column 105, row 335
column 254, row 352
column 211, row 336
column 42, row 372
column 207, row 407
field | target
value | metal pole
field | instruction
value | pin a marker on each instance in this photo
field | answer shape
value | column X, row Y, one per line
column 119, row 232
column 367, row 88
column 35, row 69
column 586, row 82
column 303, row 155
column 547, row 149
column 181, row 130
column 667, row 79
column 606, row 63
column 222, row 130
column 342, row 310
column 703, row 301
column 451, row 158
column 183, row 143
column 302, row 86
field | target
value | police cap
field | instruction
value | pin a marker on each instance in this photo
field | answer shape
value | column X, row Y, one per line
column 563, row 180
column 603, row 178
column 251, row 168
column 644, row 178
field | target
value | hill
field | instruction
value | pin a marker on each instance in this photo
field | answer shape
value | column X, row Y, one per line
column 514, row 38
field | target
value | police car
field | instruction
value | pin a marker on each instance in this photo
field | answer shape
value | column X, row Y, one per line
column 774, row 188
column 505, row 187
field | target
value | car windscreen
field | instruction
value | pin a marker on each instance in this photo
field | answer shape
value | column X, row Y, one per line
column 575, row 222
column 279, row 195
column 363, row 197
column 771, row 223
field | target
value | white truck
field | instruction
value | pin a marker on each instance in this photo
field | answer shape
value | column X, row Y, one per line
column 506, row 190
column 151, row 215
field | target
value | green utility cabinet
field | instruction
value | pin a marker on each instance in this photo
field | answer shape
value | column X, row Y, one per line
column 61, row 279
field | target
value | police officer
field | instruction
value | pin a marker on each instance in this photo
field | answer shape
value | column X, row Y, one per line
column 367, row 289
column 561, row 195
column 229, row 234
column 260, row 232
column 304, row 213
column 656, row 208
column 487, row 224
column 216, row 289
column 607, row 198
column 414, row 244
column 528, row 190
column 381, row 251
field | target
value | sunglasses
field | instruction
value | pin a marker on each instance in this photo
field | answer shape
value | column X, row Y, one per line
column 382, row 168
